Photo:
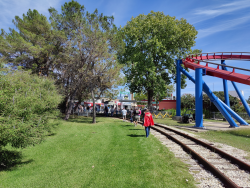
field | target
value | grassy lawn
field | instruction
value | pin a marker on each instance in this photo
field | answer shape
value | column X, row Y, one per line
column 110, row 153
column 170, row 122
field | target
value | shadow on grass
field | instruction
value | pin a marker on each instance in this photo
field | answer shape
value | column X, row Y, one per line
column 133, row 135
column 136, row 129
column 51, row 134
column 82, row 120
column 9, row 160
column 127, row 125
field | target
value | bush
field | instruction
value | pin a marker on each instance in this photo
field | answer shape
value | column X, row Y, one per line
column 26, row 103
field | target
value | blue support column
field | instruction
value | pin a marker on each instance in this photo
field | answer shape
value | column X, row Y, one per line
column 214, row 99
column 178, row 87
column 198, row 98
column 240, row 95
column 234, row 114
column 226, row 96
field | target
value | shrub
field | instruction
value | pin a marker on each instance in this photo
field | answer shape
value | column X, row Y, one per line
column 26, row 103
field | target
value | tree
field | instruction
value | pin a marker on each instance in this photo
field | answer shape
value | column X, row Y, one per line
column 188, row 101
column 26, row 104
column 34, row 45
column 152, row 42
column 248, row 100
column 90, row 52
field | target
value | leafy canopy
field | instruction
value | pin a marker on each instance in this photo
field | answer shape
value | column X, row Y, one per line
column 152, row 43
column 35, row 45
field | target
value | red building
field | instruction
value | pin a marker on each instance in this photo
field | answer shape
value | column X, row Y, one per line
column 164, row 104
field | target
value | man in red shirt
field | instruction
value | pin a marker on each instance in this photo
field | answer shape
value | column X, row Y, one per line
column 148, row 121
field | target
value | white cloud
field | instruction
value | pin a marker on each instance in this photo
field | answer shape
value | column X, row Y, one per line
column 11, row 8
column 227, row 25
column 205, row 13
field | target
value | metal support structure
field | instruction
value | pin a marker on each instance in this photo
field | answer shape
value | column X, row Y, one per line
column 234, row 114
column 226, row 95
column 213, row 98
column 240, row 95
column 178, row 87
column 198, row 98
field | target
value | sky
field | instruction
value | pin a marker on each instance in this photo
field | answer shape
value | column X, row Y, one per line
column 222, row 25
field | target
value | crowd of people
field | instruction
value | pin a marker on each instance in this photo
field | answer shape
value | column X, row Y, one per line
column 135, row 117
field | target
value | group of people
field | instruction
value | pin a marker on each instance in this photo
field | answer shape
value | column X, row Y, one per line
column 135, row 116
column 112, row 111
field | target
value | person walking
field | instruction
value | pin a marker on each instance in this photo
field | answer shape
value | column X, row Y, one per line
column 112, row 111
column 131, row 115
column 124, row 113
column 148, row 122
column 116, row 111
column 139, row 114
column 142, row 115
column 136, row 116
column 106, row 111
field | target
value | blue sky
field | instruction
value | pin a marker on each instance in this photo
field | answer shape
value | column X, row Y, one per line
column 222, row 25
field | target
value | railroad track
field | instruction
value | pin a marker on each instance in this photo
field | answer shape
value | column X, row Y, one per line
column 231, row 171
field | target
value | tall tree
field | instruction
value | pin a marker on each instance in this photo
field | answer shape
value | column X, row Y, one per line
column 153, row 41
column 90, row 52
column 35, row 45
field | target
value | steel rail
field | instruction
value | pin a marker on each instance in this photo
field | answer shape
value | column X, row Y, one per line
column 241, row 164
column 224, row 179
column 221, row 53
column 218, row 64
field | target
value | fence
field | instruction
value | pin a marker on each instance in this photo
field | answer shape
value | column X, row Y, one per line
column 161, row 114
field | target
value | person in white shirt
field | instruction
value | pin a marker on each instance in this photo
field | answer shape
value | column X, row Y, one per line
column 124, row 113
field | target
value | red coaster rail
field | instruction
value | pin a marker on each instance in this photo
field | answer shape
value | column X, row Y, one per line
column 193, row 62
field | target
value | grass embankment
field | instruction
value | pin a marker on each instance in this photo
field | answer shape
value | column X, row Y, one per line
column 110, row 153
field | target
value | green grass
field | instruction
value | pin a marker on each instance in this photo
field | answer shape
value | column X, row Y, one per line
column 170, row 122
column 110, row 153
column 239, row 138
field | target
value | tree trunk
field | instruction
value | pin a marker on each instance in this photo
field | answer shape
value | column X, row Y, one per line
column 70, row 106
column 94, row 112
column 150, row 99
column 69, row 109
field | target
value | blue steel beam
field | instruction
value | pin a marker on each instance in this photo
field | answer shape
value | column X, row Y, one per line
column 198, row 98
column 213, row 98
column 240, row 95
column 178, row 88
column 234, row 114
column 226, row 96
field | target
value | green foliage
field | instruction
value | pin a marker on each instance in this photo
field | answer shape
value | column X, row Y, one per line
column 248, row 100
column 89, row 59
column 26, row 103
column 34, row 45
column 140, row 96
column 234, row 102
column 153, row 42
column 187, row 101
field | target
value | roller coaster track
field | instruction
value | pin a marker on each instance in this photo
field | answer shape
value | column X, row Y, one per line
column 194, row 61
